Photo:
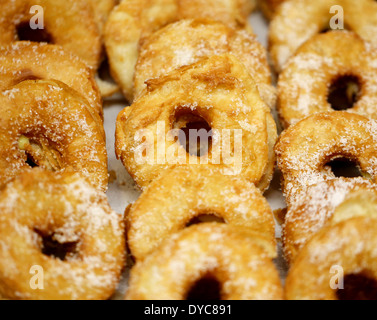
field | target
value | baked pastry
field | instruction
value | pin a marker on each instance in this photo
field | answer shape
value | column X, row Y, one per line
column 217, row 91
column 133, row 21
column 339, row 255
column 237, row 267
column 188, row 41
column 60, row 224
column 306, row 150
column 269, row 7
column 45, row 123
column 24, row 60
column 163, row 209
column 298, row 20
column 319, row 79
column 102, row 10
column 319, row 207
column 68, row 23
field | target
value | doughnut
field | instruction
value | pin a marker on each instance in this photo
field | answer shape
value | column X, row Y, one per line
column 269, row 7
column 25, row 60
column 164, row 209
column 306, row 150
column 347, row 251
column 59, row 222
column 318, row 207
column 45, row 123
column 133, row 21
column 68, row 23
column 311, row 77
column 296, row 21
column 187, row 41
column 227, row 264
column 217, row 91
column 102, row 10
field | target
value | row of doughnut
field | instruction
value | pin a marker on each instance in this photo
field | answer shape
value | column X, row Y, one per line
column 177, row 63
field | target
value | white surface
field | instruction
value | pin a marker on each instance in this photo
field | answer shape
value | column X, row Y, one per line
column 123, row 191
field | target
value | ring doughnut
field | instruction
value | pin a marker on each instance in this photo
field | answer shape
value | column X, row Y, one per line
column 318, row 208
column 220, row 254
column 158, row 214
column 346, row 249
column 187, row 41
column 305, row 85
column 269, row 7
column 47, row 124
column 25, row 60
column 217, row 90
column 134, row 20
column 305, row 150
column 81, row 34
column 299, row 20
column 62, row 224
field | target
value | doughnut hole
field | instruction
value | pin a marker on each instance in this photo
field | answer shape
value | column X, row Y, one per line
column 50, row 246
column 358, row 287
column 195, row 134
column 344, row 92
column 204, row 218
column 344, row 167
column 206, row 288
column 25, row 33
column 40, row 152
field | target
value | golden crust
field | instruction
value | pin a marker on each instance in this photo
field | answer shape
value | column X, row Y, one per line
column 241, row 266
column 134, row 20
column 25, row 60
column 296, row 21
column 269, row 7
column 81, row 34
column 321, row 205
column 65, row 207
column 188, row 41
column 50, row 124
column 219, row 90
column 102, row 10
column 350, row 245
column 175, row 198
column 305, row 81
column 304, row 149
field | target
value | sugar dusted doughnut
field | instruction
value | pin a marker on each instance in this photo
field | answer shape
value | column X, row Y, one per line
column 305, row 150
column 309, row 80
column 188, row 41
column 298, row 20
column 210, row 253
column 345, row 251
column 25, row 60
column 220, row 92
column 269, row 7
column 45, row 123
column 320, row 206
column 69, row 23
column 133, row 21
column 62, row 224
column 178, row 196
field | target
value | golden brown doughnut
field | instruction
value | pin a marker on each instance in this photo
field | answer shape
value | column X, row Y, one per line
column 45, row 123
column 305, row 150
column 188, row 41
column 296, row 21
column 345, row 251
column 181, row 194
column 69, row 23
column 220, row 92
column 25, row 60
column 269, row 7
column 318, row 207
column 208, row 251
column 307, row 81
column 62, row 224
column 134, row 20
